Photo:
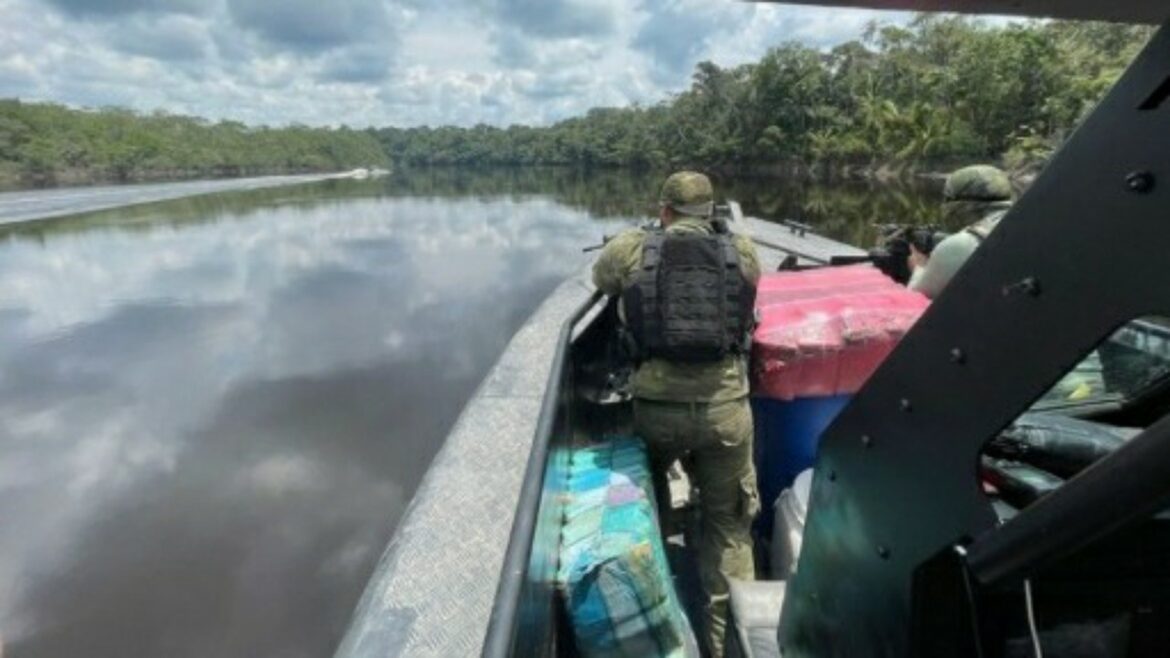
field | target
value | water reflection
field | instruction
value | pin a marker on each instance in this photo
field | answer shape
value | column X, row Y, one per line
column 209, row 425
column 213, row 411
column 844, row 210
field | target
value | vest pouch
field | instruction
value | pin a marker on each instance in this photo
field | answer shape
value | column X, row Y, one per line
column 691, row 289
column 688, row 301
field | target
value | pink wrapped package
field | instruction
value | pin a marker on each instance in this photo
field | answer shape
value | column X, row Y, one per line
column 823, row 332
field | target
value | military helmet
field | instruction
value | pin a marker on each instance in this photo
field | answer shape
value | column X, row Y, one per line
column 688, row 193
column 978, row 183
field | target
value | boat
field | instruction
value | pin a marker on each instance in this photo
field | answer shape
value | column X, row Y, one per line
column 434, row 591
column 903, row 553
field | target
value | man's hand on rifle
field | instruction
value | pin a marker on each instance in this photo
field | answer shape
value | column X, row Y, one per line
column 916, row 259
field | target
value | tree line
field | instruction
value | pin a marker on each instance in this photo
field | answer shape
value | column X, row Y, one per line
column 940, row 89
column 45, row 142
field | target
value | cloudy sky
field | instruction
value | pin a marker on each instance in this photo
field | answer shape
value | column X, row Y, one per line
column 380, row 62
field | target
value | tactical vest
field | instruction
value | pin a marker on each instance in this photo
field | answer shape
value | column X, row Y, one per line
column 688, row 300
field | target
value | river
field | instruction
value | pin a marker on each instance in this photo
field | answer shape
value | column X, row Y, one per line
column 214, row 410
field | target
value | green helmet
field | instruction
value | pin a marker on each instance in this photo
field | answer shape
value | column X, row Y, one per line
column 978, row 183
column 688, row 193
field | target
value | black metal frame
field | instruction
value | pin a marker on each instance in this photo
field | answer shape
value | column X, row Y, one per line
column 522, row 620
column 1081, row 253
column 1129, row 485
column 1132, row 11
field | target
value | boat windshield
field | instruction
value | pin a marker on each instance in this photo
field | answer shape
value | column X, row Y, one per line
column 1124, row 367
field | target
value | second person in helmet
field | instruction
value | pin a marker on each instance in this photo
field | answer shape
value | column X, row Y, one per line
column 978, row 197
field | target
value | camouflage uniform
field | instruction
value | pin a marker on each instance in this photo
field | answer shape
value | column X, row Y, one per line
column 976, row 197
column 700, row 409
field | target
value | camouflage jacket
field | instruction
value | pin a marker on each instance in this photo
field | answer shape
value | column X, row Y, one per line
column 658, row 379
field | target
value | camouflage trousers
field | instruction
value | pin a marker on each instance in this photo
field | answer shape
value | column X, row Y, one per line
column 718, row 439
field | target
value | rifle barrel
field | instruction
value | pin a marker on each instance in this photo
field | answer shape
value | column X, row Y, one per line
column 850, row 260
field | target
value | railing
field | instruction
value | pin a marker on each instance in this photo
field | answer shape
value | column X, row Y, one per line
column 503, row 623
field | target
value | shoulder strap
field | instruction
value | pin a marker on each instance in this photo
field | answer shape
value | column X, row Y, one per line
column 730, row 253
column 739, row 297
column 979, row 236
column 982, row 228
column 652, row 249
column 646, row 280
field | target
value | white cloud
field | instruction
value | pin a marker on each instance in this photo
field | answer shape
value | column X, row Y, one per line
column 380, row 62
column 165, row 38
column 312, row 26
column 677, row 33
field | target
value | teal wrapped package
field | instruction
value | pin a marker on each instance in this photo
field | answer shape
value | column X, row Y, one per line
column 613, row 569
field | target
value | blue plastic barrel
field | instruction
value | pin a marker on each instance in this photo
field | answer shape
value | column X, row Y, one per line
column 786, row 439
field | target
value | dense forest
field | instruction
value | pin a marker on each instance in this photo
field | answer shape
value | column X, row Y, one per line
column 941, row 89
column 42, row 142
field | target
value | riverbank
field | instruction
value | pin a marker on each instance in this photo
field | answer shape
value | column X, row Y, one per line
column 883, row 172
column 52, row 144
column 12, row 179
column 36, row 204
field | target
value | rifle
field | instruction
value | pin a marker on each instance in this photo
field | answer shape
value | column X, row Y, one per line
column 894, row 250
column 721, row 214
column 650, row 225
column 594, row 247
column 924, row 238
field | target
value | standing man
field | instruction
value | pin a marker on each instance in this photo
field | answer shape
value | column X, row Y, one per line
column 978, row 197
column 687, row 302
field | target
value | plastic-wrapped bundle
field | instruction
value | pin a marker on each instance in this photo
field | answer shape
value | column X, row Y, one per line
column 823, row 332
column 1058, row 444
column 1019, row 484
column 613, row 568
